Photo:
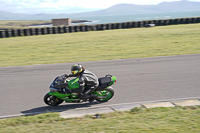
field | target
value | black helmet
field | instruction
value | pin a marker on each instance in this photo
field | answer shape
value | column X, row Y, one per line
column 76, row 69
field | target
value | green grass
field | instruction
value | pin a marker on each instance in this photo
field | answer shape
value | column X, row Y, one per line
column 138, row 120
column 14, row 24
column 21, row 24
column 101, row 45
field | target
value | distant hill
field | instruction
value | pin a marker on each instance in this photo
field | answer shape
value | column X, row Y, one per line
column 120, row 9
column 176, row 6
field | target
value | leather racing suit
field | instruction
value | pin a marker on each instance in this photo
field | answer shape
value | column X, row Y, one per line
column 88, row 79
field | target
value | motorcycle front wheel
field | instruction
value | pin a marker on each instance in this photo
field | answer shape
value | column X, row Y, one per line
column 52, row 100
column 107, row 94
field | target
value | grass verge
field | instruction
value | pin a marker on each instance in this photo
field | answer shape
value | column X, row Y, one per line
column 22, row 24
column 138, row 120
column 100, row 45
column 15, row 24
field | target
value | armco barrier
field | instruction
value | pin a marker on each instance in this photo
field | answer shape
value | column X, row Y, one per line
column 5, row 33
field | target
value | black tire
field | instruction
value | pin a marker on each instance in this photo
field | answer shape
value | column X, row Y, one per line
column 52, row 100
column 111, row 92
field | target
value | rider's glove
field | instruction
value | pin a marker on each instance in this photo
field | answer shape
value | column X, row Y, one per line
column 66, row 75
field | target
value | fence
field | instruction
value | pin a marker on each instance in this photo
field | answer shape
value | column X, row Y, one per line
column 98, row 27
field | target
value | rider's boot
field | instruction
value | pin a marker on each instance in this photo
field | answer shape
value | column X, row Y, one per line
column 92, row 98
column 83, row 97
column 86, row 94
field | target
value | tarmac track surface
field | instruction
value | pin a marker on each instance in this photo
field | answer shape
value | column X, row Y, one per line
column 22, row 88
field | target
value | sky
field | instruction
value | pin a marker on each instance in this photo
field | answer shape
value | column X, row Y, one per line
column 67, row 6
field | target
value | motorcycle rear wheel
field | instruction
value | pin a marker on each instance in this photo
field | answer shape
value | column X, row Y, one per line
column 52, row 100
column 109, row 93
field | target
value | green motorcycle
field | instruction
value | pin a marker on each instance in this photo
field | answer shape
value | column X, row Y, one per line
column 60, row 85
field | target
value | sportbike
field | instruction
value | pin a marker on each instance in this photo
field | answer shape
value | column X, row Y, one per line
column 60, row 85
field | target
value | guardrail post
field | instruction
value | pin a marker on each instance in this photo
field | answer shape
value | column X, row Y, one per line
column 140, row 24
column 188, row 20
column 144, row 23
column 38, row 31
column 60, row 30
column 165, row 22
column 185, row 21
column 193, row 20
column 76, row 28
column 87, row 28
column 71, row 29
column 67, row 29
column 113, row 26
column 82, row 28
column 131, row 24
column 136, row 25
column 155, row 22
column 162, row 22
column 126, row 25
column 49, row 30
column 3, row 34
column 55, row 30
column 8, row 33
column 32, row 31
column 198, row 19
column 64, row 29
column 119, row 25
column 159, row 23
column 43, row 31
column 169, row 21
column 26, row 32
column 20, row 32
column 182, row 21
column 176, row 21
column 103, row 26
column 14, row 32
column 98, row 27
column 108, row 26
column 94, row 27
column 149, row 21
column 123, row 25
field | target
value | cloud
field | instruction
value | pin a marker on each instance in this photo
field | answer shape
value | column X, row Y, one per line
column 66, row 6
column 43, row 6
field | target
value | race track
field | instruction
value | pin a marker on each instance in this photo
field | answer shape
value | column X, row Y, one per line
column 22, row 88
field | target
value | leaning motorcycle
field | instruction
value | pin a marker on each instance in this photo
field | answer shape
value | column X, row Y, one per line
column 60, row 85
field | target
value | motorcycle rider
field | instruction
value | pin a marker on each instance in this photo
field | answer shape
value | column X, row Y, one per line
column 86, row 78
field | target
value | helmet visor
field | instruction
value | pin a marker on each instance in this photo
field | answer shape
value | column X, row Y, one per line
column 75, row 72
